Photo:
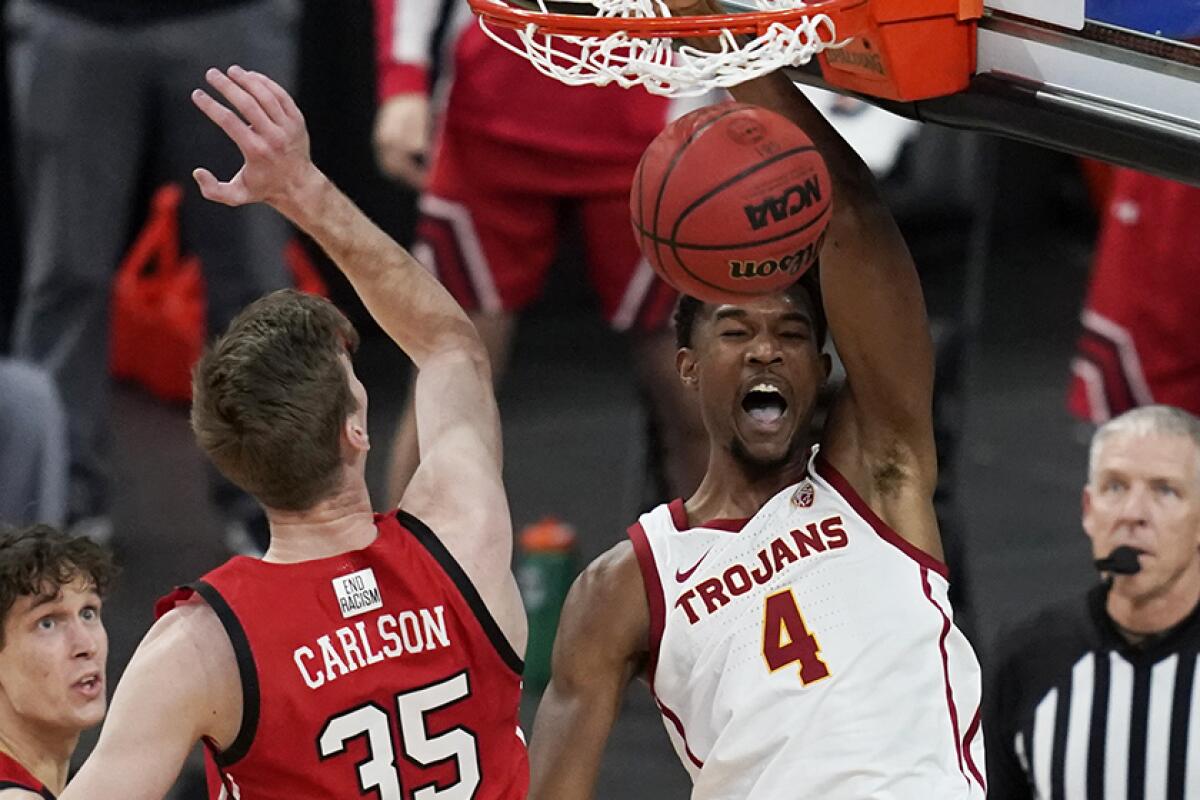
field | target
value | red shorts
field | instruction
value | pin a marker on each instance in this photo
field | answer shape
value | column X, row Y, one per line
column 490, row 222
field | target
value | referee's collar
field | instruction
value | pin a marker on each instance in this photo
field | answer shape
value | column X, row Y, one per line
column 1155, row 646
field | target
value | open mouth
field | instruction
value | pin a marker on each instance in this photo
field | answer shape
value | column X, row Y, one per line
column 89, row 684
column 764, row 403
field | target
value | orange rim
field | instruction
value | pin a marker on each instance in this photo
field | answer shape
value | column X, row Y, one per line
column 848, row 17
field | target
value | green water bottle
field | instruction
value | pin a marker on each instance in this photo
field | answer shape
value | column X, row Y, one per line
column 546, row 568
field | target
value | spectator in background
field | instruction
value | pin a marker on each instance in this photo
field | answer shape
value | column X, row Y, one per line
column 1139, row 343
column 100, row 95
column 1097, row 697
column 514, row 151
column 33, row 447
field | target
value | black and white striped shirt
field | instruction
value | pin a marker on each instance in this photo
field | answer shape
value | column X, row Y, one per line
column 1075, row 712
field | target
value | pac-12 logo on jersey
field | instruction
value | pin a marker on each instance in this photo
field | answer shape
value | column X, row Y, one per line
column 357, row 593
column 803, row 496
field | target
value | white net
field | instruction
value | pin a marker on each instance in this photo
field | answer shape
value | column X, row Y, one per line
column 662, row 65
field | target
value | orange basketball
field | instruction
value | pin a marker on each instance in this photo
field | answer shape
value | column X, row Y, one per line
column 729, row 202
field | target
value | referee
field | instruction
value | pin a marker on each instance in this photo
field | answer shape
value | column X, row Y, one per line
column 1096, row 698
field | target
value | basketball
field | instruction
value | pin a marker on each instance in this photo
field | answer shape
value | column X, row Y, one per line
column 730, row 201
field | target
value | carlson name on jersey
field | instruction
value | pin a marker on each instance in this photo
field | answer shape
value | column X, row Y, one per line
column 350, row 648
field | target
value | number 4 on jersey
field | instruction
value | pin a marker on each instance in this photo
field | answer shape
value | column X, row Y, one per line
column 786, row 639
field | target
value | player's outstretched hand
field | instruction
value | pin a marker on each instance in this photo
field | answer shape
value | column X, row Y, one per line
column 267, row 128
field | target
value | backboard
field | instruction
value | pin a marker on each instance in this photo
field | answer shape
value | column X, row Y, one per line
column 1112, row 79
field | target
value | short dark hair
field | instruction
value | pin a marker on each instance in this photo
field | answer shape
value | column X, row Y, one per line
column 39, row 560
column 689, row 307
column 270, row 396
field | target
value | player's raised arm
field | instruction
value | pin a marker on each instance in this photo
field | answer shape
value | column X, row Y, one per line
column 869, row 287
column 602, row 641
column 457, row 490
column 181, row 685
column 268, row 128
column 880, row 433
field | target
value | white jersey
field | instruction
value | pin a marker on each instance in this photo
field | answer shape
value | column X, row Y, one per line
column 812, row 654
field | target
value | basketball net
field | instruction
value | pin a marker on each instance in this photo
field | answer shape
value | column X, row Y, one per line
column 636, row 42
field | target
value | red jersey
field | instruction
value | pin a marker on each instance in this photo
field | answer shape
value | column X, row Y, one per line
column 375, row 673
column 1138, row 344
column 15, row 776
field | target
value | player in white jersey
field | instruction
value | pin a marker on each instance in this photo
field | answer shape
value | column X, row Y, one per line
column 791, row 616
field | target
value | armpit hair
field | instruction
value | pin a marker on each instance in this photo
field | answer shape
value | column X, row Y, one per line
column 888, row 475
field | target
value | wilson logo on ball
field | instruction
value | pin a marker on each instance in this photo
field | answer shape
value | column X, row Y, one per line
column 730, row 202
column 777, row 209
column 792, row 264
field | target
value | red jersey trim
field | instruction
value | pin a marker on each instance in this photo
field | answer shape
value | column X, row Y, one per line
column 679, row 517
column 730, row 525
column 655, row 598
column 247, row 671
column 13, row 775
column 429, row 540
column 673, row 718
column 951, row 709
column 968, row 740
column 842, row 486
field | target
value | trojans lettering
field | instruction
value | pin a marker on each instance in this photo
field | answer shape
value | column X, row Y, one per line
column 711, row 594
column 368, row 642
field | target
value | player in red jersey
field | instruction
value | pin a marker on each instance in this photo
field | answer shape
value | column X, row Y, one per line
column 365, row 655
column 53, row 650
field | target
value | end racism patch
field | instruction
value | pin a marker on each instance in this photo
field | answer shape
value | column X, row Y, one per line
column 357, row 593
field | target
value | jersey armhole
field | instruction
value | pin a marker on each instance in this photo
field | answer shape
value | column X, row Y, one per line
column 825, row 470
column 433, row 545
column 247, row 671
column 655, row 598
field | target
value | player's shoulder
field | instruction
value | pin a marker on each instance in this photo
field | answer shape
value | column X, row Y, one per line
column 189, row 635
column 612, row 582
column 188, row 664
column 606, row 617
column 613, row 569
